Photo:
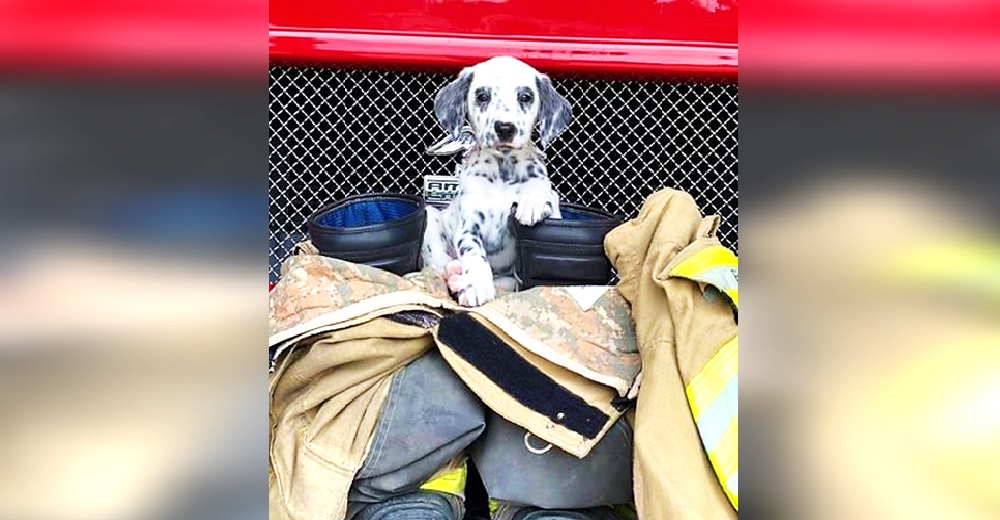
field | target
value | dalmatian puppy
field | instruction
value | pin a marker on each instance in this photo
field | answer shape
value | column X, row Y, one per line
column 469, row 241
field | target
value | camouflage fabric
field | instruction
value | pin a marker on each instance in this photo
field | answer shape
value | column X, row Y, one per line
column 580, row 339
column 315, row 291
column 576, row 336
column 587, row 330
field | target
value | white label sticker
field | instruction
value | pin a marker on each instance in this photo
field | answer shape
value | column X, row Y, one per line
column 439, row 190
column 587, row 295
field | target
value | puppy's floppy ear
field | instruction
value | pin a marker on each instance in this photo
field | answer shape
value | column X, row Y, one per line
column 554, row 111
column 450, row 103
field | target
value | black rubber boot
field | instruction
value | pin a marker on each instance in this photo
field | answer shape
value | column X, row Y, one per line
column 382, row 230
column 565, row 251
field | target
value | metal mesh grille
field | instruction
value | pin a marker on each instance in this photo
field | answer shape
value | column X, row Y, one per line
column 336, row 132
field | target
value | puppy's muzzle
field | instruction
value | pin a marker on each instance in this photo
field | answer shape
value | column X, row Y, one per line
column 505, row 131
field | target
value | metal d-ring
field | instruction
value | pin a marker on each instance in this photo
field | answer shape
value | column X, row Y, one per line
column 532, row 449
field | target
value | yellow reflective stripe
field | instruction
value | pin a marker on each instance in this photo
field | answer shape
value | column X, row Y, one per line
column 725, row 460
column 726, row 455
column 732, row 488
column 706, row 386
column 712, row 256
column 734, row 295
column 713, row 395
column 450, row 481
column 717, row 419
column 713, row 265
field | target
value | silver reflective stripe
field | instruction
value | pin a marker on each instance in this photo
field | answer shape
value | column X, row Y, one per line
column 450, row 145
column 724, row 277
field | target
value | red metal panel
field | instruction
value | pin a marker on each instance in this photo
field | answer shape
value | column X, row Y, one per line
column 651, row 37
column 154, row 35
column 940, row 41
column 832, row 42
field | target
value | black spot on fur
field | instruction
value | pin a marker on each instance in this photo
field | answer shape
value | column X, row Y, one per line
column 496, row 246
column 479, row 216
column 525, row 98
column 450, row 102
column 507, row 168
column 470, row 242
column 554, row 111
column 483, row 96
column 532, row 170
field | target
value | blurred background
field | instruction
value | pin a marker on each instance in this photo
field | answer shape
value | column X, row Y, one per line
column 869, row 143
column 133, row 212
column 133, row 209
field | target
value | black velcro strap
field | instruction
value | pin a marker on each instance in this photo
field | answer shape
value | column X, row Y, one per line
column 528, row 385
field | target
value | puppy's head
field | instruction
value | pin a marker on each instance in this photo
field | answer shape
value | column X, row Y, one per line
column 502, row 99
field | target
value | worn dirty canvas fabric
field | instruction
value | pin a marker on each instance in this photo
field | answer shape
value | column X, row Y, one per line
column 336, row 348
column 686, row 432
column 334, row 361
column 325, row 404
column 545, row 359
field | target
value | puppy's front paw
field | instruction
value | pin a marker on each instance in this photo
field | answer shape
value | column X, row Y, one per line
column 453, row 276
column 476, row 287
column 535, row 206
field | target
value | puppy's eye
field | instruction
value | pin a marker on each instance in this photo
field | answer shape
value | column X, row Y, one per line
column 525, row 97
column 483, row 97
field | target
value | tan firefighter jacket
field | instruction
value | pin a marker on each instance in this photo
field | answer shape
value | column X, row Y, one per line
column 682, row 287
column 559, row 362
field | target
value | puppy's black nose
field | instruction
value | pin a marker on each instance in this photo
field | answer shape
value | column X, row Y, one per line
column 505, row 131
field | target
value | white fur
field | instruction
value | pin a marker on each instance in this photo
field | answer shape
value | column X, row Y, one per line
column 469, row 241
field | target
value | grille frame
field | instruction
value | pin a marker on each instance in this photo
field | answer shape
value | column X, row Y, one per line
column 334, row 132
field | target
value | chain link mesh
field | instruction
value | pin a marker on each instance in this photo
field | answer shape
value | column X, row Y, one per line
column 337, row 132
